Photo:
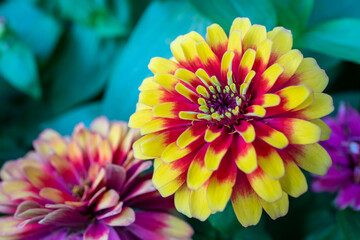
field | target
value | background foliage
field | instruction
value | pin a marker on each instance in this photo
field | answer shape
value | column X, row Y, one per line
column 68, row 61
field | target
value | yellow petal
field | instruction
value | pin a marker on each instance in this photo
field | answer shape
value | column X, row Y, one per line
column 276, row 209
column 199, row 207
column 294, row 182
column 140, row 118
column 182, row 200
column 242, row 25
column 162, row 65
column 282, row 39
column 245, row 202
column 244, row 155
column 267, row 188
column 198, row 174
column 311, row 157
column 254, row 36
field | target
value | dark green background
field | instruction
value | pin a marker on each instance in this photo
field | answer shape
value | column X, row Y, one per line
column 69, row 61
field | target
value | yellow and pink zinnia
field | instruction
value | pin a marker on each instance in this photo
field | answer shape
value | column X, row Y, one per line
column 233, row 118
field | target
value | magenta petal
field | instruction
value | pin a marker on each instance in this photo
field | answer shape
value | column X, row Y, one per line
column 348, row 196
column 124, row 218
column 115, row 176
column 64, row 217
column 97, row 231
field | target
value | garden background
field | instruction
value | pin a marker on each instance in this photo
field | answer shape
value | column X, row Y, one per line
column 69, row 61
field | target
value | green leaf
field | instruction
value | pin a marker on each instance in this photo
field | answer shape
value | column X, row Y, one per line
column 352, row 97
column 18, row 66
column 36, row 28
column 81, row 69
column 332, row 232
column 65, row 123
column 161, row 23
column 293, row 14
column 225, row 222
column 230, row 228
column 94, row 14
column 224, row 12
column 349, row 221
column 338, row 38
column 325, row 10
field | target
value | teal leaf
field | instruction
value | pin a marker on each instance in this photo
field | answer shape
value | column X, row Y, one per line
column 224, row 12
column 230, row 228
column 81, row 69
column 331, row 232
column 36, row 28
column 293, row 14
column 65, row 123
column 18, row 66
column 338, row 38
column 325, row 10
column 93, row 14
column 161, row 23
column 351, row 97
column 349, row 221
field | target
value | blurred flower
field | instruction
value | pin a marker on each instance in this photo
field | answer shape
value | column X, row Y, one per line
column 344, row 148
column 233, row 118
column 88, row 186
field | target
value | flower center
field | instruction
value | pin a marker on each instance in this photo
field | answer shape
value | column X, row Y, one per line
column 223, row 104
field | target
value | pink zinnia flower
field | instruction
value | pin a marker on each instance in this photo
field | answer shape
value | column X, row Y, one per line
column 87, row 186
column 344, row 148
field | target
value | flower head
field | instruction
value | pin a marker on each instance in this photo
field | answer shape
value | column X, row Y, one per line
column 87, row 186
column 344, row 148
column 233, row 117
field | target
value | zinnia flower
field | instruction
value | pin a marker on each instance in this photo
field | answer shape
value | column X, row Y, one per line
column 88, row 186
column 233, row 118
column 344, row 148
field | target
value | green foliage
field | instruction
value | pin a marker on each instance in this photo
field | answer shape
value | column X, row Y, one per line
column 68, row 61
column 161, row 23
column 338, row 38
column 225, row 11
column 350, row 223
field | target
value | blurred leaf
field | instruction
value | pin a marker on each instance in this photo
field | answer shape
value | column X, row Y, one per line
column 161, row 23
column 65, row 123
column 352, row 97
column 325, row 10
column 293, row 14
column 349, row 221
column 203, row 230
column 94, row 14
column 81, row 69
column 225, row 222
column 36, row 28
column 230, row 228
column 224, row 12
column 338, row 38
column 332, row 232
column 18, row 65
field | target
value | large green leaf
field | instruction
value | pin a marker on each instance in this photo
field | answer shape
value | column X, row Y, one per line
column 65, row 123
column 95, row 14
column 349, row 221
column 293, row 14
column 352, row 97
column 331, row 232
column 230, row 228
column 81, row 68
column 325, row 10
column 224, row 12
column 36, row 28
column 161, row 23
column 338, row 38
column 18, row 65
